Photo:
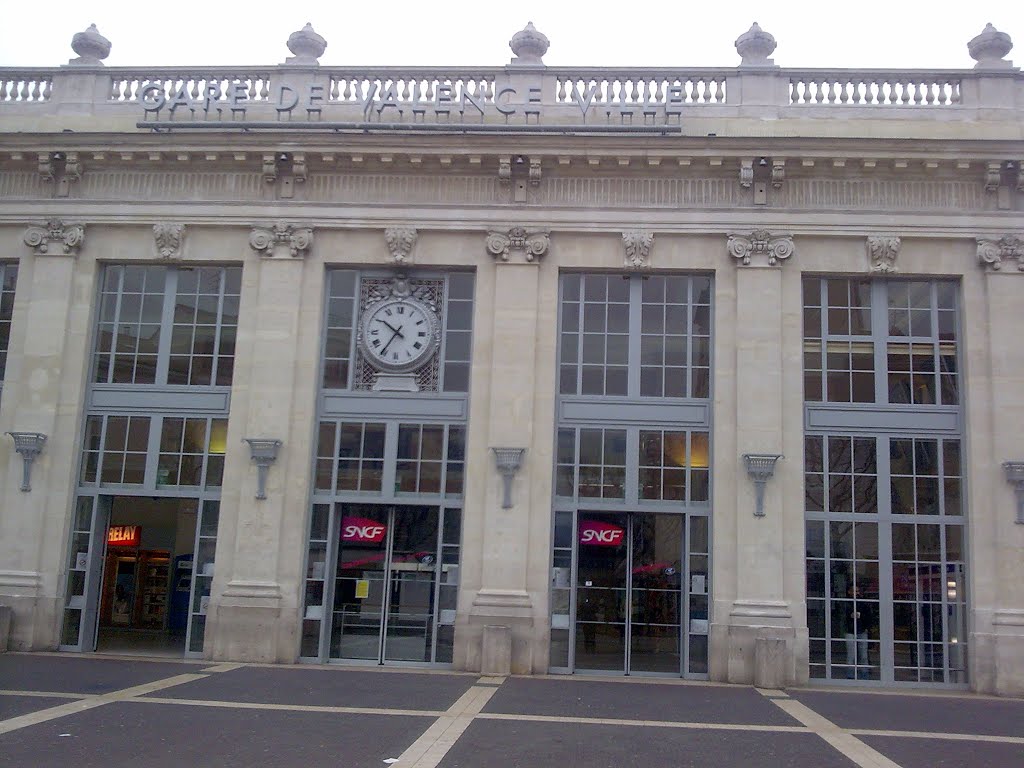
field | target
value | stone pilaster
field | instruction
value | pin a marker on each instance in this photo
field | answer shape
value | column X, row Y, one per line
column 254, row 613
column 43, row 392
column 754, row 599
column 997, row 540
column 507, row 592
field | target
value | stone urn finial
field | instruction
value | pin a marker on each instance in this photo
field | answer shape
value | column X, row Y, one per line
column 307, row 46
column 755, row 46
column 91, row 47
column 989, row 48
column 529, row 45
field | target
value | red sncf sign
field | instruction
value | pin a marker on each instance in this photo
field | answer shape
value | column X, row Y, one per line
column 361, row 530
column 598, row 534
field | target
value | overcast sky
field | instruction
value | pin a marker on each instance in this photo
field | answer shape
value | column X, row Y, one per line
column 925, row 34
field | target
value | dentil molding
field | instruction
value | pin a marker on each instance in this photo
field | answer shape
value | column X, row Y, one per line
column 637, row 244
column 882, row 252
column 266, row 241
column 55, row 238
column 992, row 253
column 762, row 245
column 532, row 243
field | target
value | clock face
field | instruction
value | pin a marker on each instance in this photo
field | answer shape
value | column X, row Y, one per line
column 399, row 334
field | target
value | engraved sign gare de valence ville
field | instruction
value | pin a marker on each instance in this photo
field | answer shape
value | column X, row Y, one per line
column 711, row 372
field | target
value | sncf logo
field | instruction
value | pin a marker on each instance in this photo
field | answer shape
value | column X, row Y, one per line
column 600, row 534
column 359, row 529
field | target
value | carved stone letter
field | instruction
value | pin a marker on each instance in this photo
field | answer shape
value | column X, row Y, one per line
column 298, row 240
column 533, row 244
column 170, row 240
column 55, row 238
column 882, row 253
column 774, row 248
column 400, row 242
column 638, row 248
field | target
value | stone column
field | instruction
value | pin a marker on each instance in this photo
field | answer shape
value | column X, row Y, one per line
column 758, row 606
column 253, row 612
column 996, row 539
column 506, row 595
column 43, row 392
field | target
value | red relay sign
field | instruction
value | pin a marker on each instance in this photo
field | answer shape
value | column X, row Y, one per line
column 124, row 535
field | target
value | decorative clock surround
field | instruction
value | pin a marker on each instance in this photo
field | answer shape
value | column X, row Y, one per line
column 399, row 334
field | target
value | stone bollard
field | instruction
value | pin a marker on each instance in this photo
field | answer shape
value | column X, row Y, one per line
column 769, row 662
column 497, row 651
column 5, row 626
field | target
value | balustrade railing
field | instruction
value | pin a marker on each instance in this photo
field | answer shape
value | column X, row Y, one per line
column 639, row 86
column 410, row 85
column 125, row 85
column 33, row 85
column 420, row 88
column 876, row 88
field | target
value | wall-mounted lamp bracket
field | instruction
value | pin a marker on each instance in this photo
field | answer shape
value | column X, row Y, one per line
column 760, row 467
column 508, row 462
column 263, row 452
column 29, row 445
column 1015, row 474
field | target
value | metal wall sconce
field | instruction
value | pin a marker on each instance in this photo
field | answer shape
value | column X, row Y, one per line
column 263, row 452
column 760, row 467
column 508, row 461
column 1015, row 474
column 29, row 445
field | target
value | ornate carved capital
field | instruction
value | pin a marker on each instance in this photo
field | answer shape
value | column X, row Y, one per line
column 400, row 242
column 298, row 240
column 532, row 243
column 170, row 240
column 992, row 253
column 882, row 253
column 55, row 238
column 760, row 242
column 638, row 248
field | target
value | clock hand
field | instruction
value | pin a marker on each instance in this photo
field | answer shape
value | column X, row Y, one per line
column 393, row 337
column 391, row 327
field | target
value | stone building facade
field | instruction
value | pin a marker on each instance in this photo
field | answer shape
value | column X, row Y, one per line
column 711, row 372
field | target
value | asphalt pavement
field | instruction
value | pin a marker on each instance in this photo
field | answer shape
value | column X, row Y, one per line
column 86, row 711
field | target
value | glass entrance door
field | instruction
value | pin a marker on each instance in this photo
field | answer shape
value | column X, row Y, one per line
column 394, row 586
column 629, row 570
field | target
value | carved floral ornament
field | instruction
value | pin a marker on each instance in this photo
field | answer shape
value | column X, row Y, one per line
column 170, row 240
column 55, row 238
column 401, row 241
column 762, row 244
column 531, row 243
column 298, row 240
column 992, row 253
column 637, row 244
column 882, row 252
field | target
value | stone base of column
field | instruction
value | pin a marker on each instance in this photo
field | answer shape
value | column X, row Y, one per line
column 783, row 660
column 246, row 624
column 480, row 638
column 34, row 622
column 998, row 657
